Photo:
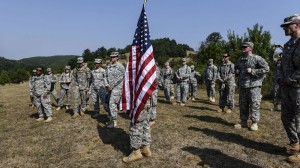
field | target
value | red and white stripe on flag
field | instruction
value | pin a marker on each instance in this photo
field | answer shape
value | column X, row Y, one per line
column 140, row 75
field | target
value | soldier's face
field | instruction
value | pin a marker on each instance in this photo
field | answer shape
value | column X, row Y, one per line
column 114, row 59
column 67, row 70
column 97, row 65
column 246, row 49
column 39, row 71
column 183, row 62
column 290, row 29
column 226, row 58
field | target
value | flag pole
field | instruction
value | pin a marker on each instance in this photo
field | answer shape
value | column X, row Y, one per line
column 145, row 1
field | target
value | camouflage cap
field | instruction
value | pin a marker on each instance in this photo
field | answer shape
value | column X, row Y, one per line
column 49, row 70
column 114, row 54
column 192, row 67
column 291, row 19
column 79, row 60
column 248, row 44
column 67, row 67
column 34, row 71
column 97, row 61
column 167, row 63
column 211, row 60
column 183, row 59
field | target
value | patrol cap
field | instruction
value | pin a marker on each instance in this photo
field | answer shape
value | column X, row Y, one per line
column 248, row 44
column 97, row 61
column 34, row 71
column 291, row 19
column 167, row 64
column 67, row 67
column 79, row 60
column 192, row 67
column 183, row 59
column 114, row 54
column 210, row 60
column 226, row 55
column 49, row 70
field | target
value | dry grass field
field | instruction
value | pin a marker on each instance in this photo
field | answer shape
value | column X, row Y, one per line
column 191, row 136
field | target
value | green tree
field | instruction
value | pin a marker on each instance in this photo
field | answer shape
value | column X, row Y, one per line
column 87, row 55
column 4, row 78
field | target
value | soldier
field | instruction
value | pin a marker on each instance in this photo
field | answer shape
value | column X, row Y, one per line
column 251, row 70
column 289, row 80
column 114, row 80
column 30, row 82
column 41, row 92
column 276, row 86
column 52, row 78
column 154, row 98
column 226, row 85
column 210, row 77
column 167, row 75
column 140, row 136
column 97, row 88
column 193, row 81
column 65, row 87
column 81, row 75
column 182, row 87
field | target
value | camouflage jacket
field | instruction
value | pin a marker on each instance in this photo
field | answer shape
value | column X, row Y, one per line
column 183, row 73
column 194, row 76
column 277, row 64
column 210, row 73
column 97, row 78
column 30, row 83
column 41, row 86
column 65, row 80
column 115, row 75
column 81, row 77
column 259, row 69
column 167, row 75
column 226, row 72
column 290, row 69
column 52, row 79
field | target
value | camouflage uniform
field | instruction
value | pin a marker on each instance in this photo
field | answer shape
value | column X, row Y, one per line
column 97, row 88
column 250, row 85
column 276, row 86
column 52, row 78
column 40, row 90
column 182, row 87
column 290, row 89
column 226, row 85
column 114, row 78
column 65, row 88
column 81, row 77
column 140, row 133
column 193, row 81
column 210, row 76
column 154, row 97
column 30, row 82
column 167, row 75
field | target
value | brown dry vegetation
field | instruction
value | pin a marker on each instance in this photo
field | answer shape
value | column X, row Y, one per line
column 191, row 136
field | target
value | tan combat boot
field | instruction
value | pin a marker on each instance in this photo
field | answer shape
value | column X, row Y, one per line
column 151, row 123
column 294, row 158
column 146, row 151
column 220, row 110
column 254, row 127
column 228, row 111
column 213, row 99
column 40, row 119
column 292, row 148
column 182, row 104
column 193, row 99
column 134, row 156
column 49, row 119
column 75, row 115
column 58, row 108
column 112, row 124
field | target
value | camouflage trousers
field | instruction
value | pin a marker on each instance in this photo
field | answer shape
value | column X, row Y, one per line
column 210, row 89
column 53, row 93
column 249, row 102
column 182, row 89
column 43, row 105
column 98, row 97
column 113, row 102
column 227, row 95
column 167, row 91
column 290, row 112
column 64, row 93
column 79, row 100
column 140, row 133
column 153, row 105
column 192, row 89
column 276, row 94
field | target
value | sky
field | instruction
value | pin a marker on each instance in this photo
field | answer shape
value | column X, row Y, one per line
column 68, row 27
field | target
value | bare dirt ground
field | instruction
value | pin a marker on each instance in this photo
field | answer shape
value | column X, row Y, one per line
column 191, row 136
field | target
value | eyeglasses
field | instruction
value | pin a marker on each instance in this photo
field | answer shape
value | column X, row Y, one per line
column 244, row 46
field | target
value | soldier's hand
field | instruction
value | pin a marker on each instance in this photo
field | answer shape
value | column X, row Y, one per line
column 45, row 96
column 237, row 72
column 249, row 70
column 109, row 88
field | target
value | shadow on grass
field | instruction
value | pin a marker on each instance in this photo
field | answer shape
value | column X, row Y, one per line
column 210, row 119
column 238, row 139
column 202, row 108
column 215, row 158
column 116, row 137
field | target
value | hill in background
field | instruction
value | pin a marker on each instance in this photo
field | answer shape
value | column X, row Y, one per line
column 50, row 61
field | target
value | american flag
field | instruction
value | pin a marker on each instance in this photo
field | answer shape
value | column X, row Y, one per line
column 140, row 76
